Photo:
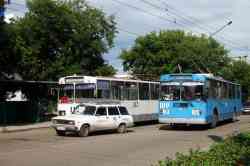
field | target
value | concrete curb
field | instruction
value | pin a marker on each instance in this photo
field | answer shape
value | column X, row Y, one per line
column 8, row 129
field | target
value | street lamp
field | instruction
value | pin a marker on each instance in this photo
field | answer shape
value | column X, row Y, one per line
column 220, row 29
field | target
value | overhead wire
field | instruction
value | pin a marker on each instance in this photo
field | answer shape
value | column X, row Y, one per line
column 195, row 22
column 185, row 22
column 226, row 41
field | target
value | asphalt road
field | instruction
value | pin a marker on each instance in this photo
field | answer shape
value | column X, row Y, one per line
column 143, row 145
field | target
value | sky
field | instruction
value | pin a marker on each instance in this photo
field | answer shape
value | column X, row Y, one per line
column 139, row 17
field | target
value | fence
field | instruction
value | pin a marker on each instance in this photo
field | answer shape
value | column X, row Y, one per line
column 16, row 112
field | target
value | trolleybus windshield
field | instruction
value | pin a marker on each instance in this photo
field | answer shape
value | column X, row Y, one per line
column 182, row 91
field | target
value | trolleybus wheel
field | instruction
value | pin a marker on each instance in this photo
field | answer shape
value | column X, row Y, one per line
column 214, row 122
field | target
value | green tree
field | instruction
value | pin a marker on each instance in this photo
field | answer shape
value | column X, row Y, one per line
column 169, row 51
column 58, row 38
column 8, row 60
column 106, row 70
column 239, row 71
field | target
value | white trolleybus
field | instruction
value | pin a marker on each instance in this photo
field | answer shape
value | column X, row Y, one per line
column 139, row 97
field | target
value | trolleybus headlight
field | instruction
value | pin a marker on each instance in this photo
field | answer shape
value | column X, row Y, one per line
column 196, row 112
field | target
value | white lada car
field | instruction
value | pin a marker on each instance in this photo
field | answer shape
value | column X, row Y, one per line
column 94, row 118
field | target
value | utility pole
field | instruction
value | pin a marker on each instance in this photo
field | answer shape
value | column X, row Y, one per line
column 221, row 28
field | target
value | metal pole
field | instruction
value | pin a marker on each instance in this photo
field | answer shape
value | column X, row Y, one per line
column 2, row 10
column 220, row 29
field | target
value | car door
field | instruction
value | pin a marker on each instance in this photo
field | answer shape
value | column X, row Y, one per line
column 114, row 116
column 125, row 117
column 103, row 122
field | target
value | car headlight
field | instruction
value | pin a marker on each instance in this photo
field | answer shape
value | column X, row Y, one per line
column 196, row 112
column 71, row 122
column 53, row 121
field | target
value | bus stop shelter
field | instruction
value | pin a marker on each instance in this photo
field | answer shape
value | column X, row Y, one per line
column 37, row 103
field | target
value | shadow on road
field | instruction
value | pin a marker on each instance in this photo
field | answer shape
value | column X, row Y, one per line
column 184, row 127
column 216, row 138
column 96, row 133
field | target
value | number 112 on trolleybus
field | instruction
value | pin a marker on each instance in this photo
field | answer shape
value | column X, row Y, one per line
column 198, row 99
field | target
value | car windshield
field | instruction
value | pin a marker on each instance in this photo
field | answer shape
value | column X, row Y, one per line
column 184, row 91
column 89, row 110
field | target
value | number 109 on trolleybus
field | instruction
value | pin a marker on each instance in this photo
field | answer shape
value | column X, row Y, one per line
column 198, row 99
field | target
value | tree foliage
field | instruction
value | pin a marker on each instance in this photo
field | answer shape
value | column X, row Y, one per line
column 58, row 38
column 239, row 71
column 105, row 70
column 8, row 60
column 170, row 51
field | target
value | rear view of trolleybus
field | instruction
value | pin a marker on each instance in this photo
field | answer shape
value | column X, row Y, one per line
column 198, row 99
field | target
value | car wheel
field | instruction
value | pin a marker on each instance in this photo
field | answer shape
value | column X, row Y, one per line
column 214, row 122
column 60, row 133
column 122, row 128
column 84, row 131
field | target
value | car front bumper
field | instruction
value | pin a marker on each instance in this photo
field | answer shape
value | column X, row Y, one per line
column 61, row 127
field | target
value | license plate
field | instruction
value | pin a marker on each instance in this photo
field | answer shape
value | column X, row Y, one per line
column 60, row 128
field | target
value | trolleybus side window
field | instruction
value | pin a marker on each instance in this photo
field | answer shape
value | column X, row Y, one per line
column 116, row 90
column 231, row 91
column 144, row 91
column 238, row 92
column 213, row 89
column 66, row 92
column 103, row 89
column 130, row 91
column 154, row 91
column 85, row 90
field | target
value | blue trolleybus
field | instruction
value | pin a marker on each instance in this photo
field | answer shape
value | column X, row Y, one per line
column 198, row 99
